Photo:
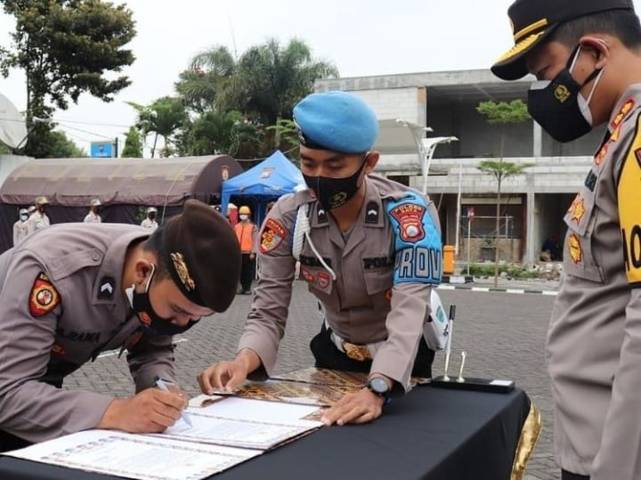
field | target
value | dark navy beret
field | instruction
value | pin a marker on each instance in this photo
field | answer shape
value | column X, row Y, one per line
column 201, row 253
column 336, row 121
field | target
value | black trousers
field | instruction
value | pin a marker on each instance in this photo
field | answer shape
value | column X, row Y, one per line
column 328, row 356
column 248, row 267
column 565, row 475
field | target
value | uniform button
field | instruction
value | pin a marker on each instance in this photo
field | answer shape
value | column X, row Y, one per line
column 95, row 256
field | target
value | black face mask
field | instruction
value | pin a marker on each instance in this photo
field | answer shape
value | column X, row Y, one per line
column 333, row 193
column 151, row 321
column 559, row 107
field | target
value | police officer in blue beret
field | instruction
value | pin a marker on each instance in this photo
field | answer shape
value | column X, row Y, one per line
column 369, row 249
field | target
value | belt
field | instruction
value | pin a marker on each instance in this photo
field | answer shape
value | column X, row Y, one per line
column 360, row 353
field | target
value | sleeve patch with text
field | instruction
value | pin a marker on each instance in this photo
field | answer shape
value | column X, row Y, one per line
column 417, row 241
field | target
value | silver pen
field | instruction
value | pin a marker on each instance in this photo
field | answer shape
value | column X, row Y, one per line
column 164, row 386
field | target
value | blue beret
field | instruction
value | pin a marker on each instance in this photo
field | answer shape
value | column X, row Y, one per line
column 336, row 121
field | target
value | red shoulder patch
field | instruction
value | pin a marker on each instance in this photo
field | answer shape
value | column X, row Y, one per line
column 43, row 297
column 273, row 235
column 625, row 109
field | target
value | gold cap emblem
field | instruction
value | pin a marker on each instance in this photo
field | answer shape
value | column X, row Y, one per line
column 183, row 272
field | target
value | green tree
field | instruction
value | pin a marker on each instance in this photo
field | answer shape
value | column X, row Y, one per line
column 263, row 85
column 65, row 48
column 60, row 146
column 229, row 133
column 207, row 80
column 133, row 144
column 164, row 117
column 273, row 78
column 502, row 114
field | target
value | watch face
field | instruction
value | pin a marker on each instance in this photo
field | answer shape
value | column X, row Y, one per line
column 378, row 385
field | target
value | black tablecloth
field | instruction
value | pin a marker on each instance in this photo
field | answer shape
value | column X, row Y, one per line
column 430, row 434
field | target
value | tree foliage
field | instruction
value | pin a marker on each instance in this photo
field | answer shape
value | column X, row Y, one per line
column 65, row 48
column 163, row 118
column 133, row 144
column 502, row 113
column 243, row 107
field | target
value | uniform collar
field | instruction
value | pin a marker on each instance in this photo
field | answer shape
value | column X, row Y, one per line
column 107, row 288
column 630, row 100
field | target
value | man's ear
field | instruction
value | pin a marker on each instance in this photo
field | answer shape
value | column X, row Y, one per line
column 143, row 270
column 599, row 47
column 372, row 161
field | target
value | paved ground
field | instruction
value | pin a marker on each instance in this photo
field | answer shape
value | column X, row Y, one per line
column 503, row 335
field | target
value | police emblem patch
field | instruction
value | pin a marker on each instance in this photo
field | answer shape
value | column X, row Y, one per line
column 183, row 272
column 410, row 219
column 575, row 249
column 273, row 235
column 43, row 297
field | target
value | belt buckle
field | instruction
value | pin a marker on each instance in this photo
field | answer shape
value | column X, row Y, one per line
column 360, row 353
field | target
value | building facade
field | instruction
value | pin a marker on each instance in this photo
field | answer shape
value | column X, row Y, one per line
column 533, row 204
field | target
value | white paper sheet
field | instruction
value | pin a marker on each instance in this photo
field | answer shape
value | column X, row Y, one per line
column 243, row 423
column 135, row 456
column 233, row 407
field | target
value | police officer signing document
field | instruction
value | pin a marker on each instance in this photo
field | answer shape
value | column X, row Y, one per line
column 370, row 251
column 586, row 55
column 70, row 291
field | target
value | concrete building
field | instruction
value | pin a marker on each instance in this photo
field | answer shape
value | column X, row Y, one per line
column 534, row 203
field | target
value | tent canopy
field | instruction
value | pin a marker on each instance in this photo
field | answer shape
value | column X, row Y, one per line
column 73, row 182
column 270, row 179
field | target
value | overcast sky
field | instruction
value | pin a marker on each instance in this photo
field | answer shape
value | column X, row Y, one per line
column 361, row 37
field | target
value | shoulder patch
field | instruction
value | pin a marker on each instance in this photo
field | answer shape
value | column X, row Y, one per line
column 273, row 235
column 629, row 199
column 44, row 298
column 417, row 241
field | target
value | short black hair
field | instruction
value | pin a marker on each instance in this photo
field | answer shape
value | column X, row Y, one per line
column 623, row 24
column 154, row 244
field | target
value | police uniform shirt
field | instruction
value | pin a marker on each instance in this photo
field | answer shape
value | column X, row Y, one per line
column 92, row 217
column 368, row 304
column 61, row 303
column 38, row 221
column 20, row 231
column 594, row 340
column 149, row 224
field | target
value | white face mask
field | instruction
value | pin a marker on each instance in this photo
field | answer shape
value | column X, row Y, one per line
column 24, row 217
column 244, row 217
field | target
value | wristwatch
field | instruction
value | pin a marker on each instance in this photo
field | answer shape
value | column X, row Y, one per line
column 380, row 387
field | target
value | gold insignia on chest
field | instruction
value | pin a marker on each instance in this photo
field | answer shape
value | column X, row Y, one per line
column 183, row 272
column 577, row 209
column 574, row 246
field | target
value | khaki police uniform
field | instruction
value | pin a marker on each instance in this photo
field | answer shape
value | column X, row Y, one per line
column 92, row 217
column 370, row 315
column 20, row 231
column 594, row 340
column 149, row 224
column 38, row 221
column 61, row 304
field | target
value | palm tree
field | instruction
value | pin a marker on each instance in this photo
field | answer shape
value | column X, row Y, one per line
column 206, row 81
column 163, row 118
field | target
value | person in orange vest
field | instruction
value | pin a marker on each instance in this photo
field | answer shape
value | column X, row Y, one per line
column 246, row 232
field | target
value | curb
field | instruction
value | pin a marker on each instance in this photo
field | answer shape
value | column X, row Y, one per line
column 516, row 291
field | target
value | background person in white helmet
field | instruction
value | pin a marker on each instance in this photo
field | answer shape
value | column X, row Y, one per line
column 150, row 222
column 247, row 233
column 39, row 219
column 94, row 216
column 21, row 227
